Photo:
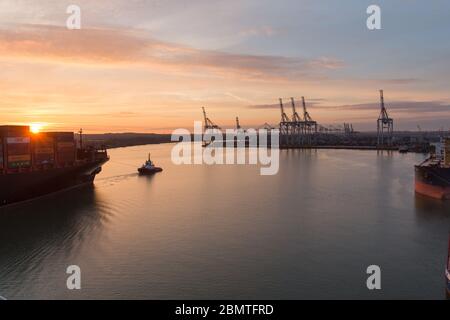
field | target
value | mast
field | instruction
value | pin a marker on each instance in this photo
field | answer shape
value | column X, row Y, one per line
column 81, row 138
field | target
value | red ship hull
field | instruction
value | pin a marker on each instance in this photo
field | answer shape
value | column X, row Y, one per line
column 436, row 192
column 433, row 181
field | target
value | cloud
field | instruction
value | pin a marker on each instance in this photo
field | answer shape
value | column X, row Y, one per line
column 59, row 44
column 326, row 63
column 116, row 47
column 287, row 102
column 236, row 97
column 398, row 106
column 266, row 31
column 402, row 81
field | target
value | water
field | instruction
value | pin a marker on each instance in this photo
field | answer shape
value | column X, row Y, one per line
column 213, row 232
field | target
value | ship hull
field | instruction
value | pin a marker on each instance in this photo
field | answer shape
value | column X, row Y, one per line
column 447, row 278
column 432, row 181
column 18, row 187
column 148, row 172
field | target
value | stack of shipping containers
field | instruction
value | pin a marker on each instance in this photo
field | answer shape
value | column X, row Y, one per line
column 21, row 150
column 43, row 151
column 65, row 148
column 16, row 150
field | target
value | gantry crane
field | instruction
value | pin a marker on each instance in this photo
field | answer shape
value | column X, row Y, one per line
column 208, row 126
column 309, row 125
column 285, row 126
column 296, row 125
column 385, row 125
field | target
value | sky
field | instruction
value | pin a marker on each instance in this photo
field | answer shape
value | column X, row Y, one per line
column 149, row 66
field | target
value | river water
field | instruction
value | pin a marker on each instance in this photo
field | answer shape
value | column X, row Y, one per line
column 226, row 232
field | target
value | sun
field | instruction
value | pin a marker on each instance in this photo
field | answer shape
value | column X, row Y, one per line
column 36, row 127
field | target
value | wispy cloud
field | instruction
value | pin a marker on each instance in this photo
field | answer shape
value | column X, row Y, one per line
column 310, row 102
column 118, row 47
column 266, row 31
column 398, row 106
column 402, row 81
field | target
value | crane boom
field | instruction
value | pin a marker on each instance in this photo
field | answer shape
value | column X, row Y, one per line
column 205, row 118
column 306, row 115
column 295, row 116
column 208, row 123
column 384, row 114
column 284, row 117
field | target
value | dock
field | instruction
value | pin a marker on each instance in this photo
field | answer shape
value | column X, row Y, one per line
column 301, row 131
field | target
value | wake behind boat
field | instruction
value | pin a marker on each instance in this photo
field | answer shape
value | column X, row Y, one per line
column 149, row 168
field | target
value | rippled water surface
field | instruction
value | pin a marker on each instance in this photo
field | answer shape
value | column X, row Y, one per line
column 226, row 232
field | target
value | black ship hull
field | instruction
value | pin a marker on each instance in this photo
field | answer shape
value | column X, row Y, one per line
column 24, row 186
column 433, row 181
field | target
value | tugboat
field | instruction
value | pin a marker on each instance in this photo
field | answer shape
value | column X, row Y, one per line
column 149, row 168
column 403, row 149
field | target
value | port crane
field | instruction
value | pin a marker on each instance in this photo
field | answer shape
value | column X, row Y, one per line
column 284, row 117
column 285, row 126
column 385, row 125
column 308, row 120
column 238, row 125
column 297, row 131
column 267, row 126
column 348, row 128
column 295, row 116
column 297, row 127
column 208, row 125
column 309, row 125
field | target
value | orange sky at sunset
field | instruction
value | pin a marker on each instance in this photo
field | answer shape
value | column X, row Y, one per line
column 120, row 75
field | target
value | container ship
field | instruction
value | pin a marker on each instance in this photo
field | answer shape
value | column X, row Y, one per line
column 36, row 164
column 433, row 175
